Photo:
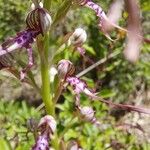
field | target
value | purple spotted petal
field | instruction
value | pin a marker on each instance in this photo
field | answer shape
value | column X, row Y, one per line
column 23, row 39
column 77, row 84
column 42, row 142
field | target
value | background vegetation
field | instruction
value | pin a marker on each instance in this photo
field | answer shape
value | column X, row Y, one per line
column 116, row 79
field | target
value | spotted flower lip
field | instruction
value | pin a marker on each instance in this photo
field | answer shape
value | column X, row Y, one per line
column 23, row 39
column 42, row 143
column 78, row 85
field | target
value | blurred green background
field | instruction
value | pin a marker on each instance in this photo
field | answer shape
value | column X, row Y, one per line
column 116, row 79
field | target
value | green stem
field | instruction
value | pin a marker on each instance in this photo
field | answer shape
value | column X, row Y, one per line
column 43, row 46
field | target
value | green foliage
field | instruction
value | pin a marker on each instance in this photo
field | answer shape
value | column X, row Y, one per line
column 72, row 127
column 14, row 123
column 14, row 127
column 12, row 16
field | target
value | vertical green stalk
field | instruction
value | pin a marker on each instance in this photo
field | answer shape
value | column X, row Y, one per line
column 46, row 95
column 43, row 45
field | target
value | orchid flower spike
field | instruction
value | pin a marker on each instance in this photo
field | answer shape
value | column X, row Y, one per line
column 47, row 127
column 80, row 86
column 104, row 22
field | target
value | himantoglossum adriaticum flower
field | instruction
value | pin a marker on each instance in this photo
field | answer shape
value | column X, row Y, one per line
column 103, row 22
column 79, row 86
column 38, row 22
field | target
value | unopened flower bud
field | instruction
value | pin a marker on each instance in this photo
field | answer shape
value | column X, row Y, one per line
column 78, row 37
column 39, row 20
column 87, row 113
column 65, row 69
column 48, row 122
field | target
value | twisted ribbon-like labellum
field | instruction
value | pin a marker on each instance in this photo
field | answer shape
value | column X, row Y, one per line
column 23, row 39
column 104, row 21
column 80, row 86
